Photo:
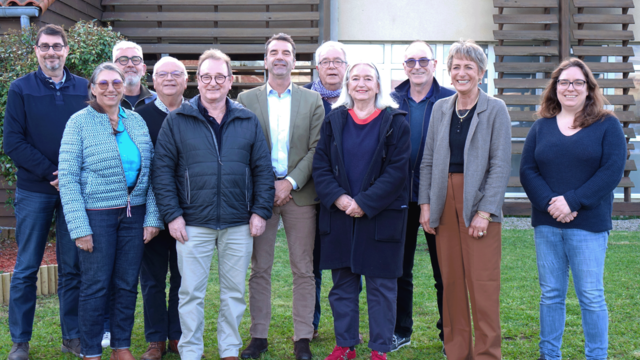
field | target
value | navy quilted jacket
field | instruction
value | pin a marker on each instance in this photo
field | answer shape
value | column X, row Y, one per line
column 210, row 186
column 91, row 173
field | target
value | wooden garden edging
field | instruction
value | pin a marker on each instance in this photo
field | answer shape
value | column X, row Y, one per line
column 47, row 283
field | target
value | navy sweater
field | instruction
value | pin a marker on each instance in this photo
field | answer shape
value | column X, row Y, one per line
column 358, row 151
column 34, row 121
column 585, row 168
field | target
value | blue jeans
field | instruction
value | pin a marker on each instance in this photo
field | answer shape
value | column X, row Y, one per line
column 34, row 212
column 559, row 250
column 113, row 266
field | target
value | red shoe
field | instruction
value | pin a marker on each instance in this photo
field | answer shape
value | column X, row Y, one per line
column 341, row 353
column 377, row 355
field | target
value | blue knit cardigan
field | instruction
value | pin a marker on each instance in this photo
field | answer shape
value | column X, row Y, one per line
column 91, row 174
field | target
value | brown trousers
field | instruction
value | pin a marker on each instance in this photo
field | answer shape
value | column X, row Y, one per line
column 300, row 227
column 469, row 264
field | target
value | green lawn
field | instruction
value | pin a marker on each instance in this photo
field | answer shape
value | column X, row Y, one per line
column 519, row 305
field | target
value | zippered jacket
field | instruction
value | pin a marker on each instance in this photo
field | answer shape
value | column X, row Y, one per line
column 371, row 245
column 401, row 96
column 91, row 173
column 207, row 185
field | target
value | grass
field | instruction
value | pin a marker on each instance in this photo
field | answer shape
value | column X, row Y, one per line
column 519, row 309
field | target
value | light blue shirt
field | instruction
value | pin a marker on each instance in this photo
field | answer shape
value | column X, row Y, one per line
column 129, row 153
column 279, row 122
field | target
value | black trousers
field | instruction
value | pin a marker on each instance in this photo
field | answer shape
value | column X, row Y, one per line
column 160, row 322
column 404, row 317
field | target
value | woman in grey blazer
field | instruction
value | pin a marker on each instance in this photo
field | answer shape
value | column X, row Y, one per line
column 464, row 174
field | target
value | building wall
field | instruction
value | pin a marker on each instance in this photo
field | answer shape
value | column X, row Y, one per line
column 68, row 12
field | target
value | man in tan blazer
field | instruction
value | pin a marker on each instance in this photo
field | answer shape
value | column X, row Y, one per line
column 291, row 117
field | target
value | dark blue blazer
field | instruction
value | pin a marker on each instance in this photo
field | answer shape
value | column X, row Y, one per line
column 401, row 96
column 372, row 245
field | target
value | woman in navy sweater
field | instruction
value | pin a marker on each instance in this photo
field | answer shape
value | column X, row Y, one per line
column 360, row 173
column 573, row 159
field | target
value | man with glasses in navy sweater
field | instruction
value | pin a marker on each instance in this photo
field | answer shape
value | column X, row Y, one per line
column 38, row 107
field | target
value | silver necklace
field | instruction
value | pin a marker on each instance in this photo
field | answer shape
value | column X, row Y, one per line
column 465, row 115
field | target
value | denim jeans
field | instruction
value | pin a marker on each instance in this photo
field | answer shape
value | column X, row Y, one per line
column 113, row 266
column 34, row 212
column 160, row 321
column 557, row 251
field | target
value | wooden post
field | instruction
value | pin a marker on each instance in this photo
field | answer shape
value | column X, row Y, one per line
column 38, row 284
column 565, row 29
column 1, row 292
column 44, row 280
column 53, row 285
column 6, row 285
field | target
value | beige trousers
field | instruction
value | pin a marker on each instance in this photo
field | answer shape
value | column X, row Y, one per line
column 300, row 228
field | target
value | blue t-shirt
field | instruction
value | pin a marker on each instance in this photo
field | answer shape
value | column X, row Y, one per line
column 416, row 121
column 129, row 153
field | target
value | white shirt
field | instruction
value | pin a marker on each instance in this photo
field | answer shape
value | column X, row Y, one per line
column 279, row 121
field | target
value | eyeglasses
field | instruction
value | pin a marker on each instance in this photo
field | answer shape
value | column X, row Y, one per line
column 46, row 47
column 104, row 84
column 577, row 84
column 174, row 74
column 336, row 63
column 124, row 60
column 220, row 79
column 411, row 63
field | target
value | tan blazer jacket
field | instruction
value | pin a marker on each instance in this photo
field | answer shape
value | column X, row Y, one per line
column 307, row 114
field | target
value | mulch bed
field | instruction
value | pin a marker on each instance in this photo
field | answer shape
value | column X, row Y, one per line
column 9, row 250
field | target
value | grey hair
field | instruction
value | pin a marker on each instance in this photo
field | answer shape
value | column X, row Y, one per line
column 124, row 44
column 383, row 100
column 467, row 50
column 167, row 59
column 330, row 45
column 105, row 66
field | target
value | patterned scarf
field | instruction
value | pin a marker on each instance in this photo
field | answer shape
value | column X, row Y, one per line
column 326, row 94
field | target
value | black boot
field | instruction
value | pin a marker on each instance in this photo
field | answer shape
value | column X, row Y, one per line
column 256, row 347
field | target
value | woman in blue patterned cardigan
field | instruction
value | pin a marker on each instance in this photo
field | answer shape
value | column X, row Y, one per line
column 105, row 162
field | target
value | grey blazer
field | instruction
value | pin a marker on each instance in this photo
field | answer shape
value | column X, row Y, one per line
column 487, row 159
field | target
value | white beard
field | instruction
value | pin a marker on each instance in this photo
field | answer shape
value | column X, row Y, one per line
column 131, row 80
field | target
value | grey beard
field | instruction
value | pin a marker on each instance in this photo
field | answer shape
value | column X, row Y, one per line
column 131, row 81
column 52, row 67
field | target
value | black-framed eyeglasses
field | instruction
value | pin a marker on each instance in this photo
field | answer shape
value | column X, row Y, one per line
column 220, row 79
column 124, row 60
column 56, row 47
column 336, row 63
column 104, row 84
column 174, row 74
column 424, row 62
column 577, row 84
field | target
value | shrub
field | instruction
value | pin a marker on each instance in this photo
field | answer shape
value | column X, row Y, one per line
column 89, row 45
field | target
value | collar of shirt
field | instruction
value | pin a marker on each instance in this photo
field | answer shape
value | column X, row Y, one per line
column 279, row 108
column 59, row 84
column 429, row 94
column 163, row 107
column 205, row 113
column 271, row 92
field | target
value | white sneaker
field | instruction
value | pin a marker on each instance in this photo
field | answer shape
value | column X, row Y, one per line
column 106, row 339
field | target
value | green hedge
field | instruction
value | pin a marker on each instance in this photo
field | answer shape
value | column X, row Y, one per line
column 89, row 45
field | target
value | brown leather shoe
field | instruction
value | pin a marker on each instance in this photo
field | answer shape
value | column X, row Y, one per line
column 91, row 358
column 155, row 351
column 173, row 346
column 230, row 358
column 121, row 354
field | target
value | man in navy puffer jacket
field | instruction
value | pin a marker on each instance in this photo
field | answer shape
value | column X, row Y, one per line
column 213, row 180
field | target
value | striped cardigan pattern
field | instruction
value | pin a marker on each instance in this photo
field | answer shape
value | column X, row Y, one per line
column 91, row 173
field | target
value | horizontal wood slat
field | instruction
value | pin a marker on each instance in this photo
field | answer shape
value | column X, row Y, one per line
column 611, row 67
column 525, row 3
column 214, row 32
column 209, row 16
column 226, row 48
column 209, row 2
column 535, row 99
column 542, row 83
column 603, row 35
column 603, row 3
column 525, row 19
column 603, row 19
column 530, row 35
column 521, row 67
column 603, row 51
column 514, row 181
column 526, row 50
column 623, row 116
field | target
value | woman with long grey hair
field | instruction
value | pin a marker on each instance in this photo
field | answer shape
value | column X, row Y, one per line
column 360, row 173
column 110, row 209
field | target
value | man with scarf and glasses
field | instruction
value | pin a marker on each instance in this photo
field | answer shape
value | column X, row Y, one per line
column 331, row 63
